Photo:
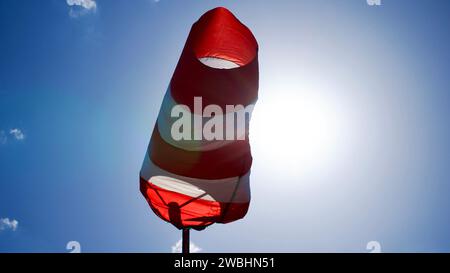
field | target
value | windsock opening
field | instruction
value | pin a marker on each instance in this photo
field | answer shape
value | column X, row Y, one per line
column 222, row 41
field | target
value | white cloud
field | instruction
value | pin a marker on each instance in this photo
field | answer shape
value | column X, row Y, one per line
column 17, row 133
column 81, row 7
column 3, row 137
column 87, row 4
column 6, row 223
column 192, row 247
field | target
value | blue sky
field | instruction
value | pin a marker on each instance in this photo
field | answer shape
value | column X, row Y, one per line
column 350, row 136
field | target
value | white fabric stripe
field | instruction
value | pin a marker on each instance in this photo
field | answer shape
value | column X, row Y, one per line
column 165, row 122
column 220, row 190
column 179, row 186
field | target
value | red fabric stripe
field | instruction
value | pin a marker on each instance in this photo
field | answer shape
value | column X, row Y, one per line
column 197, row 213
column 228, row 161
column 218, row 33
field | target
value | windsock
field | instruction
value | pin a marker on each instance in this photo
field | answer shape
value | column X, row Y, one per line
column 195, row 172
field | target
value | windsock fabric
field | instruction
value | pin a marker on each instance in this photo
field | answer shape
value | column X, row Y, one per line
column 193, row 183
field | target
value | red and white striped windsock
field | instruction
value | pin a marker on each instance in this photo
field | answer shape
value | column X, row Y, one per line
column 195, row 172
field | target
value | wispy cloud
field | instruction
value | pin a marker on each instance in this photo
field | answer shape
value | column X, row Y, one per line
column 87, row 4
column 178, row 247
column 6, row 223
column 81, row 7
column 17, row 133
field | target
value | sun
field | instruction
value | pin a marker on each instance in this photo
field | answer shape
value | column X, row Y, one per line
column 295, row 130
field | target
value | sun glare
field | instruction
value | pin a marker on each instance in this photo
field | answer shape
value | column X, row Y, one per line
column 295, row 131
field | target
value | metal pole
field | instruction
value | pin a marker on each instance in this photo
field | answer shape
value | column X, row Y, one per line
column 185, row 240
